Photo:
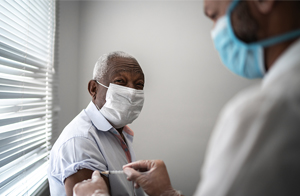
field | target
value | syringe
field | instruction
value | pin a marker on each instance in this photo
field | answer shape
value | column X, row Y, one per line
column 118, row 172
column 112, row 172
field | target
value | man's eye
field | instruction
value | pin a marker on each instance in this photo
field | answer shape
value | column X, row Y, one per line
column 141, row 84
column 119, row 81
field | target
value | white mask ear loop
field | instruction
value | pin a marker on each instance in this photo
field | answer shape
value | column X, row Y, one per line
column 97, row 107
column 101, row 84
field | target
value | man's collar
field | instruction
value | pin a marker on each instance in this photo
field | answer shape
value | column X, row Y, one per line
column 127, row 130
column 97, row 118
column 289, row 59
column 100, row 121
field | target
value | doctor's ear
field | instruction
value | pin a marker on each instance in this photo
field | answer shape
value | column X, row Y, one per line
column 93, row 88
column 264, row 6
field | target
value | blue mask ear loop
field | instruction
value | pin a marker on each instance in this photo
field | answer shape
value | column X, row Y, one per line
column 264, row 43
column 280, row 38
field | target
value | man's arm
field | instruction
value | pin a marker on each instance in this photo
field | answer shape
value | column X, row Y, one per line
column 79, row 176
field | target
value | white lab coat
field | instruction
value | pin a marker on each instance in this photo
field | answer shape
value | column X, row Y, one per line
column 255, row 147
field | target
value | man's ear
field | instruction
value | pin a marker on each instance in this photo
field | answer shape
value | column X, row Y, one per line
column 264, row 6
column 93, row 88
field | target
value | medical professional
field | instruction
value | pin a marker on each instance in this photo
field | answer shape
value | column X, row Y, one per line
column 255, row 146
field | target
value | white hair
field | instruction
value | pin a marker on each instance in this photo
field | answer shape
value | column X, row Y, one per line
column 101, row 65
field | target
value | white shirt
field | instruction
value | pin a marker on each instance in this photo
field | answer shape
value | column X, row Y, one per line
column 89, row 141
column 255, row 147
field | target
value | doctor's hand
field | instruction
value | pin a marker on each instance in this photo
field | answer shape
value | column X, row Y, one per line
column 91, row 187
column 153, row 177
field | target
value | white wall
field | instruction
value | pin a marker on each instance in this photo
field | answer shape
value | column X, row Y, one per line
column 67, row 47
column 186, row 84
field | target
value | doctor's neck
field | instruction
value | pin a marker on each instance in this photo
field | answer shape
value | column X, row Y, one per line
column 272, row 53
column 286, row 17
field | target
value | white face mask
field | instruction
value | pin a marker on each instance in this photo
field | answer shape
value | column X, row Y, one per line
column 123, row 104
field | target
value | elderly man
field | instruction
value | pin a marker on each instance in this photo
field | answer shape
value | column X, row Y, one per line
column 255, row 147
column 99, row 138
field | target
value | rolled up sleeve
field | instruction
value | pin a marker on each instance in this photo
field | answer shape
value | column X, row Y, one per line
column 78, row 153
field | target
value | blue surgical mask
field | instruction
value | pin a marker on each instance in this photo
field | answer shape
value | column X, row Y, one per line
column 246, row 60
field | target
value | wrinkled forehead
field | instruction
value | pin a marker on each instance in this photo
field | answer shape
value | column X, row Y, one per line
column 118, row 65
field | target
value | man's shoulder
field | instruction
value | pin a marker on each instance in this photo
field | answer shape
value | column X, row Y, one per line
column 79, row 127
column 77, row 137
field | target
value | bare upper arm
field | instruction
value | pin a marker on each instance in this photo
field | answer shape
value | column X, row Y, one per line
column 79, row 176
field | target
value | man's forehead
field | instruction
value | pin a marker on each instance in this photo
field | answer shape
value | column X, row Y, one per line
column 119, row 65
column 119, row 70
column 120, row 62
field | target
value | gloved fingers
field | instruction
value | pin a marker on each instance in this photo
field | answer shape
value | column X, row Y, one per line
column 136, row 185
column 143, row 165
column 91, row 186
column 131, row 174
column 136, row 165
column 96, row 175
column 98, row 193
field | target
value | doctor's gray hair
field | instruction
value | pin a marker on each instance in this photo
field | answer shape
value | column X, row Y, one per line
column 101, row 65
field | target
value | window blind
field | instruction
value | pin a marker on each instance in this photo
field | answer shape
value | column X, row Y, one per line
column 27, row 29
